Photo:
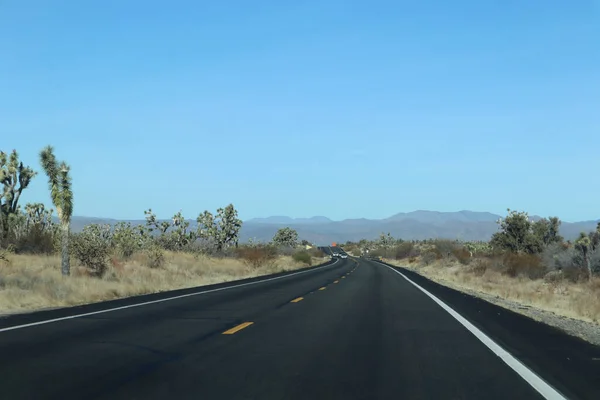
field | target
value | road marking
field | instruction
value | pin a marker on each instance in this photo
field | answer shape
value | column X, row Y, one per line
column 48, row 321
column 323, row 288
column 343, row 277
column 336, row 281
column 297, row 300
column 543, row 388
column 237, row 328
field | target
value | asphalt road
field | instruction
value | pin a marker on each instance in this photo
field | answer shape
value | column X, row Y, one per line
column 355, row 329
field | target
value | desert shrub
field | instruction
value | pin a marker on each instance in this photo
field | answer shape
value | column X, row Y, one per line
column 257, row 256
column 4, row 256
column 429, row 256
column 529, row 265
column 445, row 247
column 479, row 267
column 462, row 255
column 404, row 250
column 92, row 248
column 285, row 250
column 36, row 240
column 316, row 252
column 303, row 257
column 126, row 239
column 155, row 256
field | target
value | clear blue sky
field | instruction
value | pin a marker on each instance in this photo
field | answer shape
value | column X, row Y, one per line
column 337, row 108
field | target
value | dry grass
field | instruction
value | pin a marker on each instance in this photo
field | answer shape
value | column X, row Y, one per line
column 574, row 300
column 30, row 282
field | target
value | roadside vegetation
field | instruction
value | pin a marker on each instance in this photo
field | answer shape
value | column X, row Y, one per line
column 43, row 264
column 526, row 262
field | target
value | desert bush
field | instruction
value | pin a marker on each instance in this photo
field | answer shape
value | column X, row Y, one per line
column 529, row 265
column 316, row 252
column 155, row 256
column 257, row 256
column 285, row 250
column 445, row 247
column 462, row 255
column 558, row 256
column 303, row 257
column 4, row 256
column 479, row 267
column 404, row 250
column 429, row 256
column 126, row 239
column 36, row 240
column 92, row 248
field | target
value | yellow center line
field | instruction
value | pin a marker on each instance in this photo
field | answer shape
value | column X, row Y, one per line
column 237, row 328
column 343, row 277
column 335, row 281
column 297, row 300
column 323, row 288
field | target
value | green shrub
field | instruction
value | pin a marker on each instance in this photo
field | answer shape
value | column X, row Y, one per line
column 303, row 257
column 155, row 256
column 92, row 248
column 126, row 239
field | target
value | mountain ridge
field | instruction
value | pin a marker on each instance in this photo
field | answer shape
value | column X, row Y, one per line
column 414, row 225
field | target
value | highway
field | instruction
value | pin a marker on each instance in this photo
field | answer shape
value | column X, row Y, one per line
column 352, row 329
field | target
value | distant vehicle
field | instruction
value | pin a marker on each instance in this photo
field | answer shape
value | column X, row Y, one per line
column 344, row 255
column 336, row 254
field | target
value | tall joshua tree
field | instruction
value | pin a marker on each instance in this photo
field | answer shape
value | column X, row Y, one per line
column 61, row 192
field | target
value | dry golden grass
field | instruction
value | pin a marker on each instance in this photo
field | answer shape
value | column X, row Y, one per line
column 574, row 300
column 30, row 282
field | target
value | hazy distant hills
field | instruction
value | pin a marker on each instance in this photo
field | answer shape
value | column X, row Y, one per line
column 420, row 224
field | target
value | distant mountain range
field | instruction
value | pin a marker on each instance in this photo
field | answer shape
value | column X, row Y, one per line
column 420, row 224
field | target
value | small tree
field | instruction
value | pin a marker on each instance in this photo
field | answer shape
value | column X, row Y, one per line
column 61, row 192
column 223, row 229
column 286, row 237
column 14, row 178
column 514, row 232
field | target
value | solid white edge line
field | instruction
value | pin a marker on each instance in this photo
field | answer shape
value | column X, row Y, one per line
column 10, row 328
column 543, row 388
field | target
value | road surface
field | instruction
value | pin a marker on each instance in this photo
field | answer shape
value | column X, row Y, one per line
column 354, row 329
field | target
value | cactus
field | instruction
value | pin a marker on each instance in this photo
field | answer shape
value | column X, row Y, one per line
column 14, row 178
column 61, row 192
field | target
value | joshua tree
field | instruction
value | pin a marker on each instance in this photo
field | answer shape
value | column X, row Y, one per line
column 14, row 178
column 61, row 192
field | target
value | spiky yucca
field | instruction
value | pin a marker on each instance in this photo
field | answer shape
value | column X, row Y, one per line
column 61, row 192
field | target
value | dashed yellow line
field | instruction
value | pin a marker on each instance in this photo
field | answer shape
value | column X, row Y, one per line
column 323, row 288
column 237, row 328
column 343, row 277
column 297, row 300
column 336, row 281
